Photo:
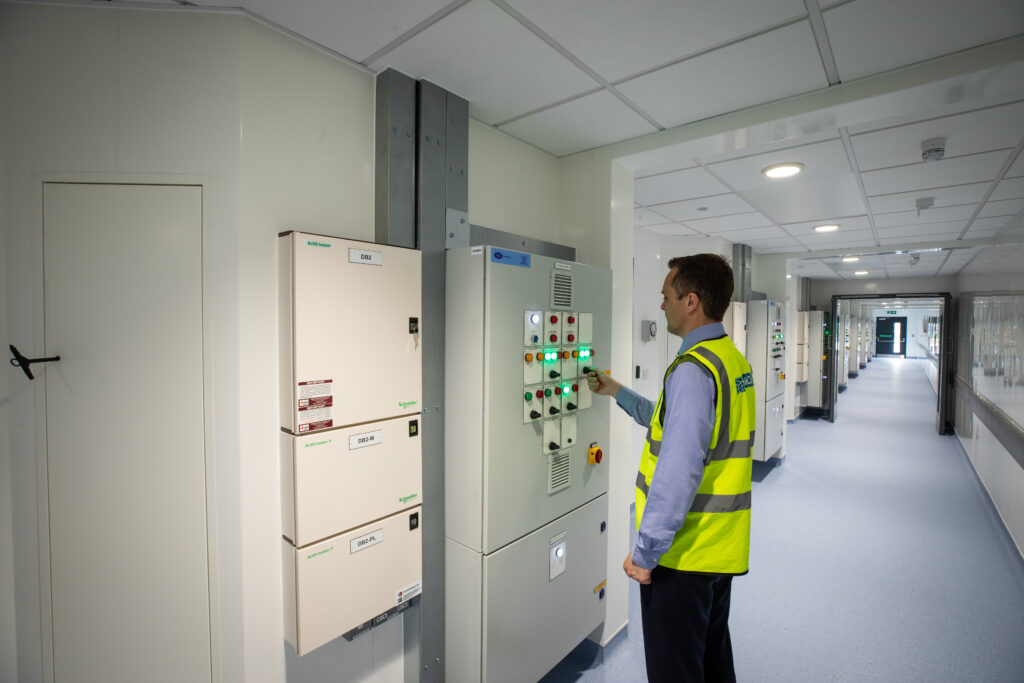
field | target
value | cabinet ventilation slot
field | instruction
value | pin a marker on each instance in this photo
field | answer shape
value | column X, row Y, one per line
column 561, row 290
column 558, row 471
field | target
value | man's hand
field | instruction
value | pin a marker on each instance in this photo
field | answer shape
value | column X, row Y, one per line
column 601, row 383
column 635, row 571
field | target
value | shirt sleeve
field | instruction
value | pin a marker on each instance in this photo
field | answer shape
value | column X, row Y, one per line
column 638, row 407
column 686, row 436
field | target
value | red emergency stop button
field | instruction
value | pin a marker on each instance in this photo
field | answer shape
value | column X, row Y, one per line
column 594, row 454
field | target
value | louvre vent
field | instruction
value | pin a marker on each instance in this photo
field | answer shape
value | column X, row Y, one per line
column 561, row 290
column 558, row 471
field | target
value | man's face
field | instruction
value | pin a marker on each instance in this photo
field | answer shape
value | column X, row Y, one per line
column 675, row 307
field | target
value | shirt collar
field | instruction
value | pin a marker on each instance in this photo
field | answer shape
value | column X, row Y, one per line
column 702, row 333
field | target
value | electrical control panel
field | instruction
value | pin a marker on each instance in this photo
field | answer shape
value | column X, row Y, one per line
column 766, row 353
column 802, row 329
column 735, row 323
column 350, row 454
column 350, row 327
column 843, row 357
column 817, row 357
column 523, row 453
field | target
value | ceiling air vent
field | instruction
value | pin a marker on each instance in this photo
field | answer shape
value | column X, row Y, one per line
column 561, row 290
column 558, row 471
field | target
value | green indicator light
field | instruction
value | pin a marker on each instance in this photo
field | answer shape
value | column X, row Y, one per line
column 528, row 396
column 547, row 392
column 565, row 389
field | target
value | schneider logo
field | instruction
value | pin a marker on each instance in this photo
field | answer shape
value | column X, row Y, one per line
column 318, row 554
column 318, row 443
column 406, row 404
column 314, row 243
column 406, row 499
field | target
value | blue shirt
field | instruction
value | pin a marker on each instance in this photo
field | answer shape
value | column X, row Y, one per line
column 689, row 421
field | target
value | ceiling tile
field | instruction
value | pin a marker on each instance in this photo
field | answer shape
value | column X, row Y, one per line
column 926, row 229
column 981, row 234
column 955, row 171
column 970, row 133
column 762, row 233
column 997, row 223
column 872, row 36
column 909, row 239
column 742, row 221
column 770, row 243
column 949, row 213
column 482, row 54
column 775, row 250
column 666, row 168
column 584, row 123
column 1007, row 207
column 821, row 160
column 732, row 78
column 644, row 218
column 671, row 229
column 354, row 29
column 655, row 31
column 1017, row 169
column 676, row 186
column 1011, row 188
column 720, row 205
column 846, row 225
column 943, row 196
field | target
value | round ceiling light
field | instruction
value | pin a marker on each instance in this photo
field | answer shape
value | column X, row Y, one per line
column 851, row 259
column 828, row 227
column 860, row 272
column 785, row 170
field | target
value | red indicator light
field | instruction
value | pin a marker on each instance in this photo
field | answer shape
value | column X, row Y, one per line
column 572, row 337
column 554, row 337
column 554, row 318
column 572, row 319
column 558, row 391
column 575, row 387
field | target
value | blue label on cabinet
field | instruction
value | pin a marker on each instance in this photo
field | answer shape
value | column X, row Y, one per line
column 510, row 258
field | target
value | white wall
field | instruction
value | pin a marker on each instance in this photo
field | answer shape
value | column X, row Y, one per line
column 512, row 186
column 281, row 136
column 998, row 470
column 8, row 622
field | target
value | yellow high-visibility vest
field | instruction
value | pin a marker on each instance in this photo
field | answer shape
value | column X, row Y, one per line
column 715, row 536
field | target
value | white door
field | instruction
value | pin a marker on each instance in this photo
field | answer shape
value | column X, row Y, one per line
column 126, row 470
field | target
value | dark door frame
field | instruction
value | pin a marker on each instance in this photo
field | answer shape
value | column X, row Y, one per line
column 943, row 403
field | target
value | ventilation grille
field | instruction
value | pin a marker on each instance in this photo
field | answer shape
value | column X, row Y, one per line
column 558, row 471
column 561, row 290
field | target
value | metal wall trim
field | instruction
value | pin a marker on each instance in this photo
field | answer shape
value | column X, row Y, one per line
column 1007, row 432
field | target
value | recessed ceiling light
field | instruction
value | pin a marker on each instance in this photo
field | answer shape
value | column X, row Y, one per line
column 860, row 272
column 788, row 276
column 828, row 227
column 790, row 168
column 851, row 259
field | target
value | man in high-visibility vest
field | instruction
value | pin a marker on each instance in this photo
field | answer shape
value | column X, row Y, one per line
column 693, row 487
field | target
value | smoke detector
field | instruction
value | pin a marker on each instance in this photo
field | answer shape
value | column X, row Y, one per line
column 933, row 149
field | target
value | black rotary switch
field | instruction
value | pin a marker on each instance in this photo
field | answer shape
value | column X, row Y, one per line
column 554, row 374
column 534, row 415
column 553, row 446
column 553, row 410
column 570, row 406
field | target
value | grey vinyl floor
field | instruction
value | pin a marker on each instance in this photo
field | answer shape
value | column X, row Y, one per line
column 876, row 555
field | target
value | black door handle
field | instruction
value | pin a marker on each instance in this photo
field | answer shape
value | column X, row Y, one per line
column 20, row 361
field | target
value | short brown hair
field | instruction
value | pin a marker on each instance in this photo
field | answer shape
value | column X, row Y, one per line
column 709, row 276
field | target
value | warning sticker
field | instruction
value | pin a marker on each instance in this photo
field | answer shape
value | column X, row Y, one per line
column 409, row 592
column 315, row 403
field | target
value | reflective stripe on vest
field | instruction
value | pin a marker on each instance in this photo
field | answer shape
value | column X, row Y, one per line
column 715, row 536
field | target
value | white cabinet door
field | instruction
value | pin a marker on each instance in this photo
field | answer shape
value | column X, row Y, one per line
column 126, row 468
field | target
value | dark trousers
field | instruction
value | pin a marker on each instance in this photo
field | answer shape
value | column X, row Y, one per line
column 686, row 627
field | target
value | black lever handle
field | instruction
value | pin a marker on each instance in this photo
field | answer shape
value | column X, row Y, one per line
column 20, row 361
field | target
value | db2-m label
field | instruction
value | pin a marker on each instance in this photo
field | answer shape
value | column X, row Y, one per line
column 366, row 540
column 365, row 439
